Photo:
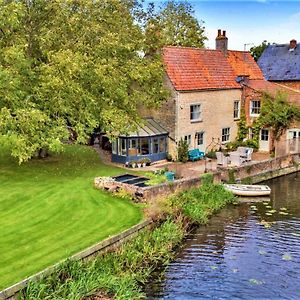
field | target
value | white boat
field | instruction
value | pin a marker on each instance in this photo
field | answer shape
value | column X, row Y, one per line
column 248, row 190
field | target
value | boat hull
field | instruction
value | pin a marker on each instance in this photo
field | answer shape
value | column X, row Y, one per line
column 248, row 190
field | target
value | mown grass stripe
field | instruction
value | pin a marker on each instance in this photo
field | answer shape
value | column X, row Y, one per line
column 50, row 210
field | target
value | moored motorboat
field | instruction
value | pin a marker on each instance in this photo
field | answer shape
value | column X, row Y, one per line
column 248, row 190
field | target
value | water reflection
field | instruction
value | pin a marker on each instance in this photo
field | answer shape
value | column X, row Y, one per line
column 249, row 251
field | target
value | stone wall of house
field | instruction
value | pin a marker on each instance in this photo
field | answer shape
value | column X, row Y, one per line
column 165, row 115
column 216, row 113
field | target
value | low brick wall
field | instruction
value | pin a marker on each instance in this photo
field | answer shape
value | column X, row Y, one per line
column 263, row 170
column 143, row 194
column 106, row 245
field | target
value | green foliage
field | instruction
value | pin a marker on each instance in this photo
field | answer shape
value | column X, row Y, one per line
column 176, row 25
column 242, row 128
column 231, row 176
column 277, row 113
column 211, row 154
column 200, row 203
column 183, row 149
column 256, row 51
column 72, row 63
column 155, row 178
column 207, row 178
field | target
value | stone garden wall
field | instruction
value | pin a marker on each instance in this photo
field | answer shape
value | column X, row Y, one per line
column 259, row 171
column 143, row 194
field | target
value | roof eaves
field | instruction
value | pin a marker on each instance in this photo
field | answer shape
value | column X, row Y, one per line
column 208, row 89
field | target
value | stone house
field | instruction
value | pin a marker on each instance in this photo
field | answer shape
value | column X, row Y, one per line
column 207, row 94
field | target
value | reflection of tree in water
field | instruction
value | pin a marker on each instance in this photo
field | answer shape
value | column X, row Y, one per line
column 215, row 231
column 285, row 192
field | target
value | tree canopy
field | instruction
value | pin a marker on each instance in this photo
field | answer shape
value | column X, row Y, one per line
column 72, row 64
column 256, row 51
column 174, row 24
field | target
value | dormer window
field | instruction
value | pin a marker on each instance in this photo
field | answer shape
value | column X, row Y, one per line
column 254, row 108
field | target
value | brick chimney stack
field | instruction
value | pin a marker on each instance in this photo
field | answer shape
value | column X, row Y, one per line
column 222, row 42
column 293, row 45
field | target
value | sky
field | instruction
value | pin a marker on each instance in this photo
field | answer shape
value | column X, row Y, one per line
column 248, row 23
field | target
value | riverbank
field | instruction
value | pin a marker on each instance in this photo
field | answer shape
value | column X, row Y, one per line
column 252, row 248
column 122, row 274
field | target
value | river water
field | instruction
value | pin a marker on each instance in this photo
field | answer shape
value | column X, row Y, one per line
column 248, row 251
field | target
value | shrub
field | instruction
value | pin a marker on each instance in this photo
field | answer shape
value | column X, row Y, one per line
column 183, row 149
column 211, row 154
column 207, row 178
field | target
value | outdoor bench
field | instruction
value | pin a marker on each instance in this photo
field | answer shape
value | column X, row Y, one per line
column 195, row 154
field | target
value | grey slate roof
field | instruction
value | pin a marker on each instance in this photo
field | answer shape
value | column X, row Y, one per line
column 278, row 63
column 150, row 128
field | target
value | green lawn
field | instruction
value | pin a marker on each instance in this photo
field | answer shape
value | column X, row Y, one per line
column 49, row 210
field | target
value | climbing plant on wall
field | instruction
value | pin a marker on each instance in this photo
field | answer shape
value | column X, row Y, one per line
column 277, row 114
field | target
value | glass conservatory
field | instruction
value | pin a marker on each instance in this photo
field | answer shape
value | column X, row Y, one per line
column 150, row 141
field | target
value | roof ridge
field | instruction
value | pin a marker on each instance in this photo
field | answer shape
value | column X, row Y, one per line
column 239, row 51
column 192, row 48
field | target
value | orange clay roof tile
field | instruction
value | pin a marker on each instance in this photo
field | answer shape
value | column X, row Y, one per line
column 243, row 64
column 198, row 69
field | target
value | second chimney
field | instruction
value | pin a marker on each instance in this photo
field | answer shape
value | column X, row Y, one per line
column 222, row 42
column 293, row 45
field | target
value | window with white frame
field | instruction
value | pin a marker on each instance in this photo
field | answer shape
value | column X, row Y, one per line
column 200, row 138
column 225, row 134
column 187, row 139
column 236, row 109
column 264, row 135
column 254, row 107
column 294, row 133
column 251, row 134
column 195, row 112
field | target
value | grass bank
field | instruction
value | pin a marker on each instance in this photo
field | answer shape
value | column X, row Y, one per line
column 50, row 210
column 123, row 273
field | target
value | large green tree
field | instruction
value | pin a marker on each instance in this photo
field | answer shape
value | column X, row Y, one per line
column 75, row 64
column 175, row 24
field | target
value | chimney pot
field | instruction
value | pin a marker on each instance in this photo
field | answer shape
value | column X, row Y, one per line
column 222, row 41
column 293, row 44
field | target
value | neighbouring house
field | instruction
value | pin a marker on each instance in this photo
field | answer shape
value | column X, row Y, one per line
column 252, row 94
column 280, row 63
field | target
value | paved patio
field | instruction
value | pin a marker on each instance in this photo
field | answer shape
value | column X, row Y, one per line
column 185, row 170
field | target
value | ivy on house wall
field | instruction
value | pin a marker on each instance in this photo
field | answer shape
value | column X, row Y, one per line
column 277, row 114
